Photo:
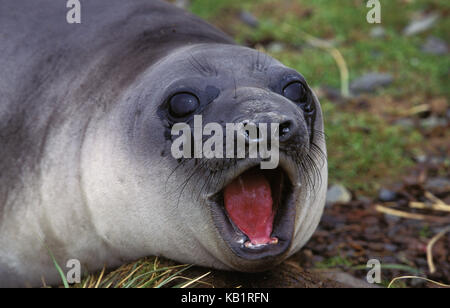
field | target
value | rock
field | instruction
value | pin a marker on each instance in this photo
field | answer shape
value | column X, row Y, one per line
column 390, row 247
column 338, row 194
column 435, row 46
column 437, row 160
column 346, row 279
column 405, row 123
column 275, row 47
column 370, row 82
column 438, row 185
column 331, row 93
column 377, row 32
column 418, row 26
column 248, row 19
column 433, row 122
column 184, row 4
column 391, row 219
column 387, row 195
column 421, row 158
column 376, row 54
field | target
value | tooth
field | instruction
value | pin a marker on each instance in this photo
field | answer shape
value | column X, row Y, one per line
column 274, row 240
column 248, row 244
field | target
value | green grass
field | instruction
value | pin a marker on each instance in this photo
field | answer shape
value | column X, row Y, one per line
column 344, row 23
column 425, row 232
column 58, row 268
column 334, row 262
column 365, row 150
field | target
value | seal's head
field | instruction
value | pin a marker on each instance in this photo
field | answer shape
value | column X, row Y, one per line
column 222, row 212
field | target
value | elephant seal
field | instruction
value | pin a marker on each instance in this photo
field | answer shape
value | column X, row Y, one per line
column 86, row 166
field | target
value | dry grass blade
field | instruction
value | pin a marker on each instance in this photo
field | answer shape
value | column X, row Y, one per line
column 417, row 277
column 333, row 51
column 430, row 248
column 195, row 280
column 415, row 110
column 434, row 206
column 141, row 273
column 129, row 275
column 435, row 199
column 153, row 279
column 338, row 58
column 437, row 205
column 92, row 282
column 189, row 281
column 44, row 284
column 403, row 214
column 100, row 277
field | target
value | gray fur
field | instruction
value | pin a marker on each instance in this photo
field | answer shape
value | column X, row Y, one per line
column 85, row 167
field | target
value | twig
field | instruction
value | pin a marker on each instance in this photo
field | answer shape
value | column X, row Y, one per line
column 418, row 109
column 415, row 216
column 417, row 277
column 414, row 110
column 433, row 206
column 435, row 199
column 430, row 248
column 437, row 204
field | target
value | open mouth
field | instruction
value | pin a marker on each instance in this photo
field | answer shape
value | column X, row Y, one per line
column 255, row 213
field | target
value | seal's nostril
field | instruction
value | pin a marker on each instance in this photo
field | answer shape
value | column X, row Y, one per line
column 251, row 131
column 285, row 128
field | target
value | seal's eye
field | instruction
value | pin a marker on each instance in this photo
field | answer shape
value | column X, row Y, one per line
column 182, row 104
column 295, row 91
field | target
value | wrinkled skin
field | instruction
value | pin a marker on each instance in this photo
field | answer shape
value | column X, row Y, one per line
column 86, row 168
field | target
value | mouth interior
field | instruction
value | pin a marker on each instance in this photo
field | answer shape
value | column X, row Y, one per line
column 251, row 201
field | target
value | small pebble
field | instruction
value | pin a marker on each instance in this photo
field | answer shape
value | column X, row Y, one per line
column 370, row 82
column 420, row 25
column 386, row 195
column 377, row 32
column 338, row 194
column 248, row 19
column 435, row 46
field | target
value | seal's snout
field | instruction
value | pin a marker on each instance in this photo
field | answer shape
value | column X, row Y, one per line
column 288, row 128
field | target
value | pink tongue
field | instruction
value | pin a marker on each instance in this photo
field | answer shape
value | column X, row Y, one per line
column 248, row 201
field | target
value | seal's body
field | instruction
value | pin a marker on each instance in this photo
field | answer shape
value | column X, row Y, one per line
column 86, row 170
